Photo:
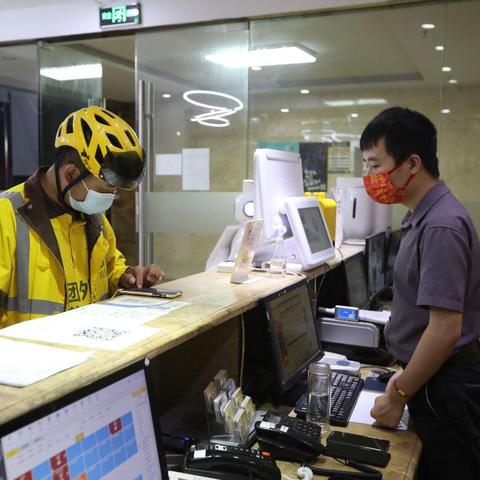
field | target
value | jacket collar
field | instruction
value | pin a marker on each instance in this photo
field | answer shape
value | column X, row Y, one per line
column 38, row 210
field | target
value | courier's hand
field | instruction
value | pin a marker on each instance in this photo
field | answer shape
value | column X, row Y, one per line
column 141, row 276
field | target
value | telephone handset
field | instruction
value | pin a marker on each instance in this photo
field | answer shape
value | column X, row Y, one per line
column 231, row 463
column 289, row 438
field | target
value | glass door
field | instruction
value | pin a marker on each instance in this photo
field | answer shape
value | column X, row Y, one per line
column 192, row 117
column 69, row 79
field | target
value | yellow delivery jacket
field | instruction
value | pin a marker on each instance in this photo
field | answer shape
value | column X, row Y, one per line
column 33, row 276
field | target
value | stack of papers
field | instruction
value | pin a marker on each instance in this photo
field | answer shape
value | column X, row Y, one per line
column 22, row 364
column 96, row 326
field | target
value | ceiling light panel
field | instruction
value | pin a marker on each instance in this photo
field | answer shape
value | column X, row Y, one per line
column 73, row 72
column 262, row 57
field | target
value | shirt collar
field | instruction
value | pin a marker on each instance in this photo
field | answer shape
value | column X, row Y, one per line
column 414, row 217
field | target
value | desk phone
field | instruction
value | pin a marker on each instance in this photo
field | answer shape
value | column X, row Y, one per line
column 289, row 438
column 231, row 463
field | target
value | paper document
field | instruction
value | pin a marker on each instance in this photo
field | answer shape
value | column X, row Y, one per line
column 361, row 412
column 22, row 364
column 196, row 169
column 95, row 326
column 168, row 164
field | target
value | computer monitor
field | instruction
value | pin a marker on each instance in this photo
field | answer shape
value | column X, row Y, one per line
column 277, row 175
column 393, row 242
column 107, row 430
column 356, row 281
column 309, row 230
column 278, row 197
column 375, row 263
column 292, row 333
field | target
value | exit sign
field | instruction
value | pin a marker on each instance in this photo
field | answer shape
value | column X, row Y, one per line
column 120, row 15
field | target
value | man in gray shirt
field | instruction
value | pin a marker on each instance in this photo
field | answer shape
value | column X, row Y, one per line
column 435, row 320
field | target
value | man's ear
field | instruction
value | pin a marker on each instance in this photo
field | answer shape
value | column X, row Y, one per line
column 71, row 172
column 415, row 163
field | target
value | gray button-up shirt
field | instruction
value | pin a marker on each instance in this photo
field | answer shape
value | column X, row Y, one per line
column 438, row 265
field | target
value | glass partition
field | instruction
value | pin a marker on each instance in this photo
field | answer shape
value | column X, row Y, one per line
column 197, row 138
column 68, row 80
column 18, row 114
column 365, row 60
column 368, row 60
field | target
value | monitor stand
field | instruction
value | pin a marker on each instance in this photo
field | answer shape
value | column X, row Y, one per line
column 291, row 397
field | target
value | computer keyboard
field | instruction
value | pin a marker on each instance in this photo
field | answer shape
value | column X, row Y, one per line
column 344, row 393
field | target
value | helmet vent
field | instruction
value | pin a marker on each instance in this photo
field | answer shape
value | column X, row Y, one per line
column 98, row 155
column 130, row 137
column 70, row 124
column 106, row 112
column 114, row 140
column 87, row 131
column 101, row 120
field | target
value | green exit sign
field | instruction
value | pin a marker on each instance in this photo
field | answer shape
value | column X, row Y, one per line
column 120, row 15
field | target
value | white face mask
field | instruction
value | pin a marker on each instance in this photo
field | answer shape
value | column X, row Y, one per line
column 95, row 202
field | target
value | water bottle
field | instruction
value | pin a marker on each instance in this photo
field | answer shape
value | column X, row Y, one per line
column 318, row 407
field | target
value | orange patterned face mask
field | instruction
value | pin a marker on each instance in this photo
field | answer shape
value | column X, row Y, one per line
column 381, row 189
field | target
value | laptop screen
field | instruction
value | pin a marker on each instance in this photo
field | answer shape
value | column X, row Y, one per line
column 104, row 431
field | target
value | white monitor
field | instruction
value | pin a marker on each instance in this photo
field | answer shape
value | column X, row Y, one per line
column 277, row 176
column 309, row 230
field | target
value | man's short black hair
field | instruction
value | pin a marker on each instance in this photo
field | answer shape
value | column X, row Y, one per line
column 68, row 155
column 406, row 132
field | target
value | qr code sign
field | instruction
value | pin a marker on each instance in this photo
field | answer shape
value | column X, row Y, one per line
column 100, row 333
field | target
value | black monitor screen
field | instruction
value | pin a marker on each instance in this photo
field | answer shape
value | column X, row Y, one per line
column 392, row 250
column 315, row 229
column 375, row 256
column 106, row 430
column 293, row 334
column 356, row 281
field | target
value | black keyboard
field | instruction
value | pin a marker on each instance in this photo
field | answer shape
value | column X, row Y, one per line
column 344, row 394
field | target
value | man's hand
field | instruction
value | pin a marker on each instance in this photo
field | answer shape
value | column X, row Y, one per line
column 388, row 408
column 141, row 276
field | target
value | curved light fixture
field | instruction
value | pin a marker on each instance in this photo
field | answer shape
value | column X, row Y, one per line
column 215, row 117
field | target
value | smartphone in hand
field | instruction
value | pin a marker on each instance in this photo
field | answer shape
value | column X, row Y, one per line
column 151, row 292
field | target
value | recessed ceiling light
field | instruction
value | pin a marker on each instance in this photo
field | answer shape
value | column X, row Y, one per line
column 262, row 57
column 453, row 81
column 284, row 110
column 73, row 72
column 428, row 26
column 354, row 115
column 166, row 95
column 305, row 91
column 445, row 110
column 256, row 67
column 439, row 48
column 178, row 133
column 446, row 69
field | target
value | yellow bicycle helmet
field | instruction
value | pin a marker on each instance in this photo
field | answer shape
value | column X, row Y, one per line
column 107, row 145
